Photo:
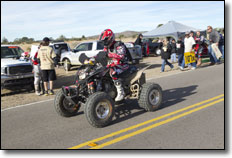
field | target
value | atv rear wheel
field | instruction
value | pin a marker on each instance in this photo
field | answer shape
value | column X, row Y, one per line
column 64, row 107
column 150, row 97
column 99, row 109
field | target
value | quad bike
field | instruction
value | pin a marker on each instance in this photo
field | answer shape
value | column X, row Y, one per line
column 95, row 90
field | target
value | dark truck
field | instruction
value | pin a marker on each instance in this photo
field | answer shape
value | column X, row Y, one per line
column 149, row 47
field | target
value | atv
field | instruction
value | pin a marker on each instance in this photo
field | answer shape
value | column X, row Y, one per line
column 95, row 90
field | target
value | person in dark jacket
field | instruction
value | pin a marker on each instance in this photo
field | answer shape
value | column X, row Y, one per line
column 199, row 47
column 180, row 51
column 173, row 50
column 165, row 55
column 139, row 40
column 221, row 43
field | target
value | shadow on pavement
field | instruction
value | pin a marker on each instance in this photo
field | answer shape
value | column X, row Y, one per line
column 142, row 65
column 131, row 109
column 177, row 95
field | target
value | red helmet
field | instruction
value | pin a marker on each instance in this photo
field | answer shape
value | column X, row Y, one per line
column 107, row 37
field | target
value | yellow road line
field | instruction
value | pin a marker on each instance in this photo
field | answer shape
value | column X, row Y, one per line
column 154, row 125
column 144, row 123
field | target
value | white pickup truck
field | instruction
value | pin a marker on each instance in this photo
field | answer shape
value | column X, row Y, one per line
column 92, row 48
column 71, row 58
column 14, row 72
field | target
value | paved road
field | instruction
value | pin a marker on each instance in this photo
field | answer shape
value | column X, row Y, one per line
column 39, row 127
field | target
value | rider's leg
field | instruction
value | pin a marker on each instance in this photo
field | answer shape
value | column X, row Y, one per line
column 120, row 90
column 118, row 84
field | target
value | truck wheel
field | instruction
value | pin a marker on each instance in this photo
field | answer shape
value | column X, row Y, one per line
column 150, row 97
column 63, row 106
column 158, row 51
column 99, row 109
column 67, row 65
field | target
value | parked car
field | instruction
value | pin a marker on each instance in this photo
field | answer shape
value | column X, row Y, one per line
column 150, row 47
column 14, row 70
column 71, row 58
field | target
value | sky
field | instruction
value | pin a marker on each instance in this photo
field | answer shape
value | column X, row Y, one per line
column 37, row 19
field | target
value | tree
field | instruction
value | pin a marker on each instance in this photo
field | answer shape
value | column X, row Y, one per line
column 62, row 37
column 83, row 37
column 159, row 25
column 121, row 36
column 135, row 35
column 51, row 39
column 5, row 40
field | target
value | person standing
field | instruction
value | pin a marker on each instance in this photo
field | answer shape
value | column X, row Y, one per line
column 173, row 51
column 138, row 41
column 47, row 56
column 139, row 44
column 180, row 51
column 199, row 39
column 221, row 43
column 37, row 73
column 165, row 55
column 213, row 39
column 188, row 44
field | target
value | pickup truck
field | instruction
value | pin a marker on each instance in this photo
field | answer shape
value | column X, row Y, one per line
column 92, row 48
column 14, row 72
column 150, row 47
column 71, row 58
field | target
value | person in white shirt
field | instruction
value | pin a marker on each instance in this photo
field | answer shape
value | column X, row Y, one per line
column 188, row 43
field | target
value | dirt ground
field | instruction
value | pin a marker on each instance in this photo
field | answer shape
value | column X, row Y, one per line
column 11, row 98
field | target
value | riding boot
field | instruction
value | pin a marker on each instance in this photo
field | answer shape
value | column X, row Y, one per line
column 120, row 90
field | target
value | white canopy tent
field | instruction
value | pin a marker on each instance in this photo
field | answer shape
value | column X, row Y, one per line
column 171, row 29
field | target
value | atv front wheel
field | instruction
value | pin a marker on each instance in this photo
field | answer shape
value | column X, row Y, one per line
column 64, row 107
column 150, row 97
column 99, row 109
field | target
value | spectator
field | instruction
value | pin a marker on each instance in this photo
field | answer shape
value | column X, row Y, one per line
column 199, row 46
column 191, row 34
column 221, row 43
column 47, row 57
column 188, row 44
column 139, row 40
column 165, row 55
column 213, row 39
column 139, row 44
column 173, row 50
column 37, row 73
column 180, row 51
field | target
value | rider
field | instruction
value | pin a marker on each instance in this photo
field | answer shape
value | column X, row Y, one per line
column 116, row 50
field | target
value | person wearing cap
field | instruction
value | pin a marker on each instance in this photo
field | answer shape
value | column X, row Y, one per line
column 46, row 57
column 188, row 44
